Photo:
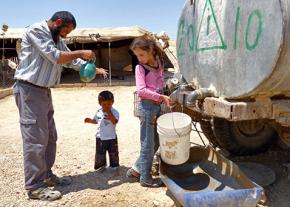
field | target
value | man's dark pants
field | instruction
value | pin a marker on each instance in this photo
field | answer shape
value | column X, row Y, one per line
column 38, row 131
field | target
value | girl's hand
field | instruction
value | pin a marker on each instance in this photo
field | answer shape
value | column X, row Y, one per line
column 102, row 71
column 166, row 100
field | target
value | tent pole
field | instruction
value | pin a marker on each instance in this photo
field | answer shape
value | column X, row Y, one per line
column 110, row 71
column 3, row 57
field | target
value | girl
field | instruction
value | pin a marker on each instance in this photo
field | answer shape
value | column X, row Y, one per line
column 149, row 81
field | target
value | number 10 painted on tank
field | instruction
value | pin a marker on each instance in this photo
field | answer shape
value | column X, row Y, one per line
column 200, row 40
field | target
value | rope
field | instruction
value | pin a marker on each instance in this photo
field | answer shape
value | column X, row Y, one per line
column 193, row 123
column 198, row 132
column 173, row 120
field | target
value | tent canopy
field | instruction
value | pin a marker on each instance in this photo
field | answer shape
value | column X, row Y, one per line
column 89, row 35
column 110, row 44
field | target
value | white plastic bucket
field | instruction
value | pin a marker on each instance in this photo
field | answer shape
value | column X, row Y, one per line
column 174, row 137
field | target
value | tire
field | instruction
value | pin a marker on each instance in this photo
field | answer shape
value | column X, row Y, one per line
column 244, row 137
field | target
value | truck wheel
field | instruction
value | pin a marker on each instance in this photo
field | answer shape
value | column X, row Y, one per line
column 244, row 137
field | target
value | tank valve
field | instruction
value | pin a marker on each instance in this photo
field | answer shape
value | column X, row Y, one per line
column 177, row 95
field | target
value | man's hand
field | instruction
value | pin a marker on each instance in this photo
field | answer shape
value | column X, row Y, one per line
column 88, row 54
column 66, row 57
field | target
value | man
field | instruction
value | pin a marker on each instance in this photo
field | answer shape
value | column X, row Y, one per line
column 43, row 53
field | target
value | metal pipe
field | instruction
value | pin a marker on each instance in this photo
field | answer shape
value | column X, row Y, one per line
column 177, row 95
column 110, row 70
column 199, row 94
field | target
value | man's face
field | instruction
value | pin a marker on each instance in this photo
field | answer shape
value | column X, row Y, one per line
column 65, row 30
column 58, row 31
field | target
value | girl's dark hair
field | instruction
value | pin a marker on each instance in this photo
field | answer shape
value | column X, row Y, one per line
column 66, row 17
column 147, row 42
column 105, row 96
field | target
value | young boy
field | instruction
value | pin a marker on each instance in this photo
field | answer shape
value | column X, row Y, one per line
column 106, row 138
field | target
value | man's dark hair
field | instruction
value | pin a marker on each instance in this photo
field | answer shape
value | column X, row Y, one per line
column 66, row 17
column 106, row 96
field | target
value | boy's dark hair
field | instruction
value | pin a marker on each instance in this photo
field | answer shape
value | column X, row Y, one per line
column 66, row 17
column 105, row 96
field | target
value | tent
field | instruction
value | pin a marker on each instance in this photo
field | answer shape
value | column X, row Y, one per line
column 111, row 46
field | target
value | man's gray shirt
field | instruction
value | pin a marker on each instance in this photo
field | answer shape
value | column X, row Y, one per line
column 39, row 55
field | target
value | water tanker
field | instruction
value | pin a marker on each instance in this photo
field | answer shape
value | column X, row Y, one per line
column 234, row 56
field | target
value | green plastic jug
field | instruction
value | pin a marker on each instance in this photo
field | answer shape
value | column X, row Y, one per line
column 88, row 71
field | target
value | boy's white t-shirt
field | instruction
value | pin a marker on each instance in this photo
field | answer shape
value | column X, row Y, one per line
column 106, row 129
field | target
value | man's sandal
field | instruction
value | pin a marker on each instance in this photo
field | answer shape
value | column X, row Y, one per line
column 54, row 180
column 44, row 194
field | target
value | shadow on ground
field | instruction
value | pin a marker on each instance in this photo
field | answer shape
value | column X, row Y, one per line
column 96, row 180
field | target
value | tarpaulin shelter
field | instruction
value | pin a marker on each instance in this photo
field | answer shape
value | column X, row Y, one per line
column 111, row 46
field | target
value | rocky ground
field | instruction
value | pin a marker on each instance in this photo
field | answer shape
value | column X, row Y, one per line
column 75, row 156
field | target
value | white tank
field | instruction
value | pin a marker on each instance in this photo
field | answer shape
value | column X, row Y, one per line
column 239, row 47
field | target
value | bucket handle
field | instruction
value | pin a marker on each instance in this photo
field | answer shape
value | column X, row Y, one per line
column 174, row 124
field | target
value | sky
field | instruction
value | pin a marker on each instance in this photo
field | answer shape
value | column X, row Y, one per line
column 152, row 15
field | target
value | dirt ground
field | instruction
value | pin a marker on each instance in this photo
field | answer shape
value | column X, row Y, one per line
column 75, row 156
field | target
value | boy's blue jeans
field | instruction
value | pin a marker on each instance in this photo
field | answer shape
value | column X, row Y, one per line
column 148, row 112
